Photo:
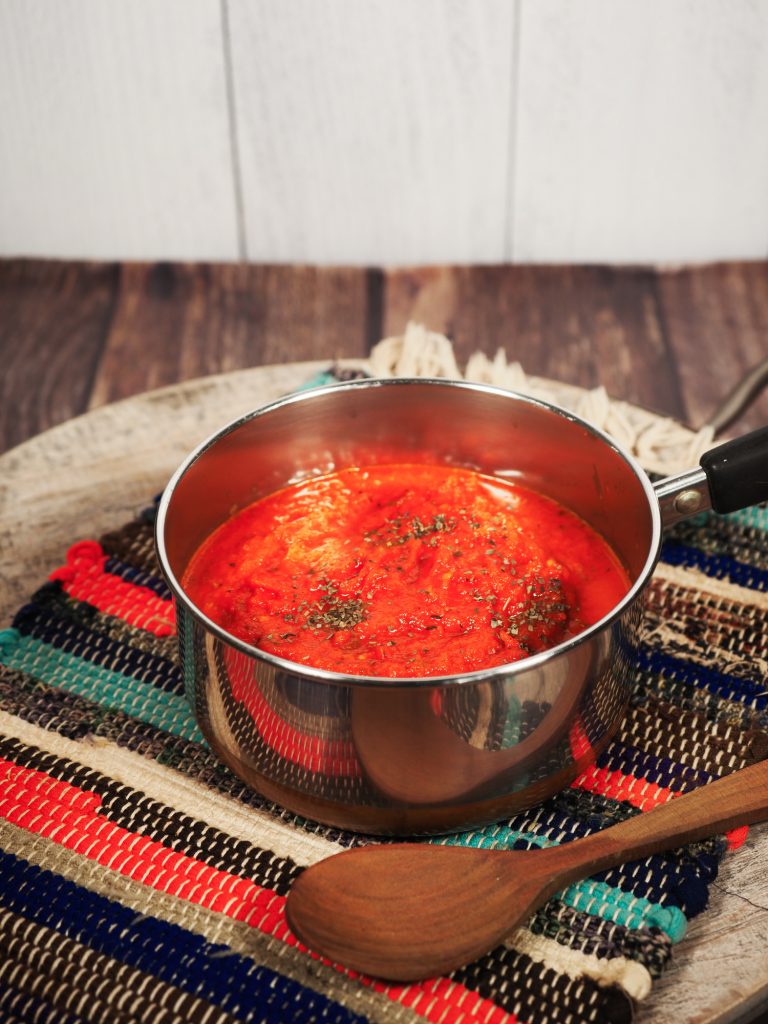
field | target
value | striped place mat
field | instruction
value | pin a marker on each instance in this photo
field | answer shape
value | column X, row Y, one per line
column 141, row 881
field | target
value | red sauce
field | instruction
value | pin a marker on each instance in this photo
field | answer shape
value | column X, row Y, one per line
column 405, row 570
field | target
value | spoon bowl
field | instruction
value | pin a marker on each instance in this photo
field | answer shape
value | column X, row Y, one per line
column 408, row 910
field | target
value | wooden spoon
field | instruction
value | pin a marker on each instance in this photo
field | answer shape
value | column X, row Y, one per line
column 408, row 910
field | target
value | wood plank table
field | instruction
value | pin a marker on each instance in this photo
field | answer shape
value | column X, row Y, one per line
column 76, row 338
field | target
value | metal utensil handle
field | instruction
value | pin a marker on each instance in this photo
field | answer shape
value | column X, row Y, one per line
column 740, row 398
column 731, row 476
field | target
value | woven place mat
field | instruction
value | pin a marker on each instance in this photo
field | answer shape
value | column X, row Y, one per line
column 140, row 880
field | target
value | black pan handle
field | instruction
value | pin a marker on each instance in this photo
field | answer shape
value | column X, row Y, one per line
column 737, row 471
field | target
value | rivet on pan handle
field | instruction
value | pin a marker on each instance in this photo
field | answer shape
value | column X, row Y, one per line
column 731, row 476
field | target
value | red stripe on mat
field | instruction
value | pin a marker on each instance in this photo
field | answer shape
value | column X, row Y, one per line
column 84, row 578
column 640, row 793
column 69, row 816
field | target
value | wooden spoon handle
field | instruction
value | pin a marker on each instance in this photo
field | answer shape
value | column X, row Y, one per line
column 738, row 799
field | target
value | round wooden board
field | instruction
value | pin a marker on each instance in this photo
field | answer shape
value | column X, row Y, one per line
column 95, row 472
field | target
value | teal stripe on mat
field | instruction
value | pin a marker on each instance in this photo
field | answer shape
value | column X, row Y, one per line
column 167, row 711
column 597, row 898
column 757, row 516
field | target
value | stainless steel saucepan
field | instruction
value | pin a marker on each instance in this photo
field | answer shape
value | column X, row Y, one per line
column 418, row 755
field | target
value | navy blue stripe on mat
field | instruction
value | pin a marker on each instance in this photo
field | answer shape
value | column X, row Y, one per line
column 139, row 577
column 729, row 687
column 719, row 566
column 44, row 624
column 210, row 971
column 660, row 770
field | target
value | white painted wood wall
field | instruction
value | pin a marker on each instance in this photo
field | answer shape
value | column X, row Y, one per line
column 384, row 131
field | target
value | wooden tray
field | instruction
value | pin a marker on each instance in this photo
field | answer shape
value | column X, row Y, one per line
column 95, row 472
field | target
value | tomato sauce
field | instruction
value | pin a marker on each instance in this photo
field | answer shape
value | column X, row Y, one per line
column 405, row 570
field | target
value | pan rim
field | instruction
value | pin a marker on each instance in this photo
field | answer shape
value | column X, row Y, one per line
column 534, row 662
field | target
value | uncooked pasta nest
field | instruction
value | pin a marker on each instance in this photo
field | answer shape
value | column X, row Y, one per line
column 660, row 445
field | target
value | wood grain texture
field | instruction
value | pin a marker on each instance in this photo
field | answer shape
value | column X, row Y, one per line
column 54, row 318
column 719, row 950
column 373, row 132
column 76, row 335
column 584, row 325
column 640, row 131
column 173, row 322
column 718, row 319
column 97, row 471
column 115, row 130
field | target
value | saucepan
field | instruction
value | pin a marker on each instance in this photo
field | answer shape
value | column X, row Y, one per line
column 428, row 754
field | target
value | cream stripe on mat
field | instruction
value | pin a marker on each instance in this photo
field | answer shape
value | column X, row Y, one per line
column 176, row 790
